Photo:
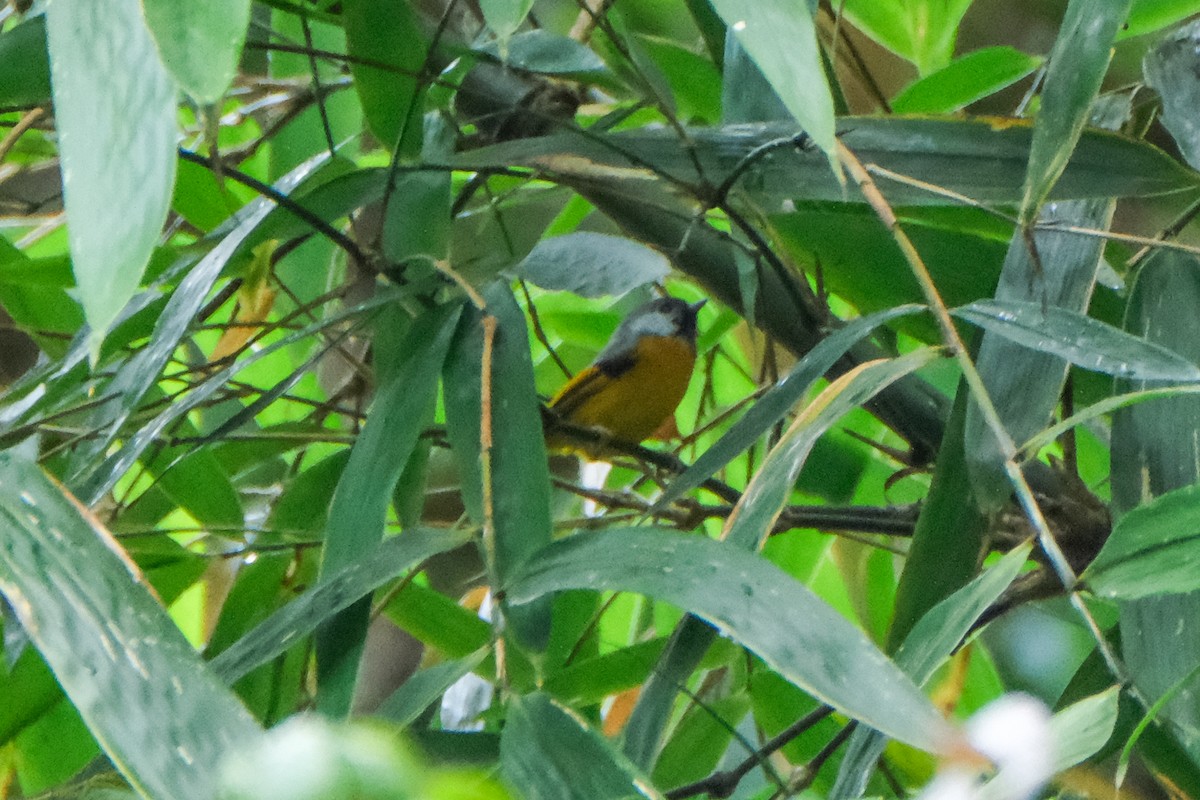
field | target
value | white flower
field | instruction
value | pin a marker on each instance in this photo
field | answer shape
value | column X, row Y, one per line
column 1012, row 735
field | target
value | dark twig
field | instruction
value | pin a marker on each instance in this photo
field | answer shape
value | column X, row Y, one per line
column 321, row 226
column 317, row 91
column 723, row 783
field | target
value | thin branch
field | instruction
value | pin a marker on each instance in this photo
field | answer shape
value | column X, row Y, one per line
column 321, row 226
column 723, row 783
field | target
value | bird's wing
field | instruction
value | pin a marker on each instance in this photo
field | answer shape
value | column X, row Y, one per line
column 584, row 386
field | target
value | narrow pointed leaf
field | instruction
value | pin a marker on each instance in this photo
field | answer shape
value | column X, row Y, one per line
column 1151, row 549
column 287, row 626
column 385, row 42
column 1171, row 70
column 547, row 753
column 782, row 40
column 1083, row 341
column 108, row 640
column 1147, row 16
column 513, row 472
column 981, row 158
column 932, row 640
column 1155, row 450
column 1078, row 732
column 1025, row 385
column 1084, row 727
column 689, row 642
column 939, row 633
column 541, row 51
column 754, row 517
column 1078, row 62
column 741, row 594
column 25, row 74
column 593, row 264
column 359, row 508
column 420, row 691
column 969, row 78
column 200, row 43
column 111, row 95
column 776, row 403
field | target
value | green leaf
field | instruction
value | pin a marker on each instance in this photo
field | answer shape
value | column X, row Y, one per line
column 29, row 688
column 1025, row 385
column 504, row 17
column 547, row 753
column 304, row 503
column 287, row 626
column 969, row 78
column 1171, row 70
column 745, row 94
column 513, row 472
column 711, row 28
column 332, row 193
column 942, row 629
column 689, row 642
column 1079, row 339
column 32, row 292
column 416, row 223
column 1083, row 727
column 359, row 508
column 195, row 480
column 495, row 237
column 931, row 641
column 592, row 264
column 949, row 536
column 420, row 691
column 1078, row 732
column 1077, row 65
column 984, row 159
column 199, row 43
column 548, row 53
column 589, row 681
column 1147, row 16
column 111, row 95
column 694, row 81
column 777, row 402
column 107, row 639
column 1154, row 452
column 438, row 621
column 387, row 50
column 700, row 738
column 740, row 594
column 25, row 64
column 754, row 516
column 782, row 40
column 1151, row 548
column 921, row 31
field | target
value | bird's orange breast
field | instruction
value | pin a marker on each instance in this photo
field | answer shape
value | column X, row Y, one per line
column 632, row 405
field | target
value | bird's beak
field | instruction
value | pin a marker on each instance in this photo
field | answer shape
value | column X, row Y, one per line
column 696, row 306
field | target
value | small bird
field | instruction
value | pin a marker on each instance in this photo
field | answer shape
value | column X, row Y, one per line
column 636, row 381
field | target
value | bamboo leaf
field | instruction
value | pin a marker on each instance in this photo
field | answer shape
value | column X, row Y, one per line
column 1079, row 339
column 107, row 639
column 740, row 594
column 111, row 95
